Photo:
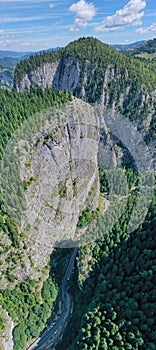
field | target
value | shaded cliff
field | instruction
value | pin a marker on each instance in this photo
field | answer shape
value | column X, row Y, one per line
column 96, row 73
column 60, row 158
column 58, row 169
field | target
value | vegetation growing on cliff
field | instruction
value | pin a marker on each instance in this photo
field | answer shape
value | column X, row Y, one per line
column 28, row 65
column 117, row 299
column 114, row 310
column 104, row 75
column 18, row 107
column 28, row 308
column 99, row 56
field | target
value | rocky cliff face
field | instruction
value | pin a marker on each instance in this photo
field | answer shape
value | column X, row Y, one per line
column 65, row 169
column 6, row 77
column 6, row 341
column 63, row 74
column 85, row 82
column 68, row 73
column 59, row 169
column 42, row 76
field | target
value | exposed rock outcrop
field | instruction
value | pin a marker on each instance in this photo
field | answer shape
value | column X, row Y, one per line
column 6, row 339
column 85, row 82
column 42, row 76
column 59, row 167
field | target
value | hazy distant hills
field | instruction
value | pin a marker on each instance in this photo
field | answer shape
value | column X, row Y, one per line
column 22, row 55
column 13, row 54
column 72, row 155
column 146, row 51
column 9, row 60
column 128, row 46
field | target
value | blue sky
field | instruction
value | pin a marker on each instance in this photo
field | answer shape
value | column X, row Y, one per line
column 41, row 24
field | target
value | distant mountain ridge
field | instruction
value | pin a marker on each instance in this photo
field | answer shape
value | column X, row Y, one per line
column 14, row 54
column 125, row 47
column 95, row 73
column 24, row 54
column 146, row 51
column 65, row 167
column 8, row 61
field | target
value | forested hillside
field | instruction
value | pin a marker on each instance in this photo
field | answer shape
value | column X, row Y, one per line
column 118, row 298
column 7, row 65
column 16, row 108
column 96, row 73
column 146, row 51
column 28, row 65
column 97, row 53
column 29, row 303
column 113, row 284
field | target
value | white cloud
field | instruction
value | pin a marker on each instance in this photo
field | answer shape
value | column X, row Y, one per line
column 51, row 6
column 147, row 30
column 22, row 19
column 2, row 32
column 130, row 15
column 84, row 12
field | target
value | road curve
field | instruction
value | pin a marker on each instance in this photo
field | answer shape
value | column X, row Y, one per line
column 52, row 333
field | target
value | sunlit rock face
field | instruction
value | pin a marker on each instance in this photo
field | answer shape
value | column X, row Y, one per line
column 41, row 76
column 58, row 153
column 60, row 170
column 6, row 341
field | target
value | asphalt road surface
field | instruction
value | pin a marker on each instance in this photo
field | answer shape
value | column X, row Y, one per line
column 52, row 333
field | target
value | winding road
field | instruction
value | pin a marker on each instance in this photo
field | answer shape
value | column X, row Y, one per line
column 49, row 337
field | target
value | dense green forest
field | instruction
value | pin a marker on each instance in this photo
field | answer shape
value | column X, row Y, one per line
column 99, row 54
column 146, row 51
column 28, row 65
column 114, row 305
column 97, row 60
column 28, row 307
column 118, row 298
column 18, row 107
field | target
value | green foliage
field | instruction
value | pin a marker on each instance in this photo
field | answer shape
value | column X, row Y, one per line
column 94, row 59
column 18, row 107
column 63, row 190
column 87, row 217
column 9, row 227
column 113, row 182
column 28, row 309
column 151, row 134
column 147, row 51
column 28, row 65
column 15, row 110
column 117, row 181
column 28, row 183
column 117, row 302
column 2, row 322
